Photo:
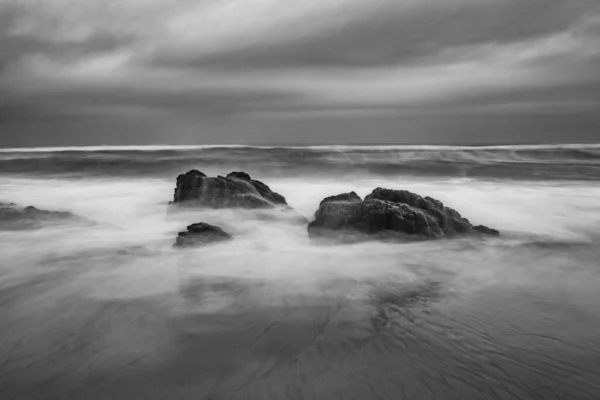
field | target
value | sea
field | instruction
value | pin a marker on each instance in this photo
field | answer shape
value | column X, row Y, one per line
column 111, row 310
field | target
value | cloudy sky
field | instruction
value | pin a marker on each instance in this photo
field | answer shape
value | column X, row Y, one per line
column 78, row 72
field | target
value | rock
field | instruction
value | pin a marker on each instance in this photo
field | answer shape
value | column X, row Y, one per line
column 13, row 217
column 239, row 175
column 486, row 231
column 201, row 234
column 236, row 190
column 351, row 197
column 386, row 213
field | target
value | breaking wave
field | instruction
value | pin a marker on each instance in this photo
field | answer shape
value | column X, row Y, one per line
column 514, row 162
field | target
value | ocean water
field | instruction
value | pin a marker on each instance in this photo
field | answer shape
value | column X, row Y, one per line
column 112, row 311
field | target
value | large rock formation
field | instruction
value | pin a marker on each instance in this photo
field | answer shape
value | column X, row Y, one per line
column 201, row 234
column 13, row 217
column 386, row 213
column 195, row 190
column 236, row 190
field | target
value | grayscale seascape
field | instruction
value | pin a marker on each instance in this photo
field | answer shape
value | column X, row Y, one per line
column 299, row 199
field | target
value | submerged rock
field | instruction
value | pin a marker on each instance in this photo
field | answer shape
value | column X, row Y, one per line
column 13, row 217
column 386, row 213
column 201, row 234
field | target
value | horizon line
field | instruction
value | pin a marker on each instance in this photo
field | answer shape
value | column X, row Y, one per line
column 159, row 147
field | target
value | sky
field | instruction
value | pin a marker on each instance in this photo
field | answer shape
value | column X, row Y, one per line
column 120, row 72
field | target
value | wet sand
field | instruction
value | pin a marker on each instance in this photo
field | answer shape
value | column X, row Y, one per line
column 230, row 337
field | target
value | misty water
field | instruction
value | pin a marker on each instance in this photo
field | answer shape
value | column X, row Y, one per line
column 112, row 311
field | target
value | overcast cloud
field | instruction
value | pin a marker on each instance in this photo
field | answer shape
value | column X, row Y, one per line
column 233, row 70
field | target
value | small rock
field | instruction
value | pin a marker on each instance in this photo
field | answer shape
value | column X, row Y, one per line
column 13, row 217
column 201, row 234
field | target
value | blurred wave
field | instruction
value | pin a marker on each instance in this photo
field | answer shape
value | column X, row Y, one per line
column 516, row 162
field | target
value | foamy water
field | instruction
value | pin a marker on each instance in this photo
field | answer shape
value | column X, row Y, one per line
column 112, row 311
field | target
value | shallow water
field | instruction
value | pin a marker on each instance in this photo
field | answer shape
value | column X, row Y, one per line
column 112, row 311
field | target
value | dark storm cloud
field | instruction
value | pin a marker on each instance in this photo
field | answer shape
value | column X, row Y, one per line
column 391, row 34
column 38, row 38
column 66, row 60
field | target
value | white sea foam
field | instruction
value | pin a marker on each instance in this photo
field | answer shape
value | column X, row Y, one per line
column 79, row 304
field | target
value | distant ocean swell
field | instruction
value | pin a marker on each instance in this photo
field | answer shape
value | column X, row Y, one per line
column 563, row 162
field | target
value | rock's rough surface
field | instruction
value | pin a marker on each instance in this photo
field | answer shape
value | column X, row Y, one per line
column 351, row 197
column 236, row 190
column 201, row 234
column 486, row 230
column 389, row 213
column 13, row 217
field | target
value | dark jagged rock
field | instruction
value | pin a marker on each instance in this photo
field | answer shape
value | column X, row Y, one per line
column 13, row 217
column 386, row 213
column 236, row 190
column 239, row 175
column 201, row 234
column 351, row 197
